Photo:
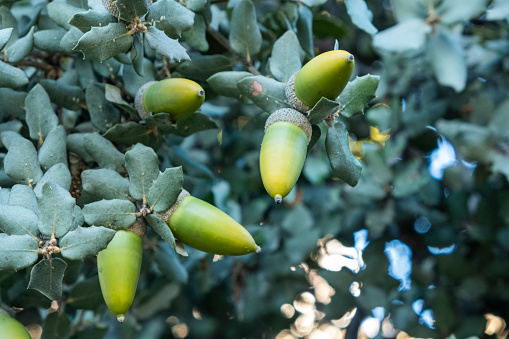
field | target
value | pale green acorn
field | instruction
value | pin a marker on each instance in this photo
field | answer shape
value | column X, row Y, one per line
column 283, row 151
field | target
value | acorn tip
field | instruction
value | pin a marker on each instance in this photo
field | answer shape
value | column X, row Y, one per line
column 350, row 57
column 278, row 199
column 258, row 249
column 201, row 93
column 121, row 318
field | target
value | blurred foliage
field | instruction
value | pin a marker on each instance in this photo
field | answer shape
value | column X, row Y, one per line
column 418, row 246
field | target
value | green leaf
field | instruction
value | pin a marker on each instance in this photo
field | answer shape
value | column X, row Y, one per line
column 56, row 326
column 103, row 114
column 54, row 149
column 343, row 163
column 313, row 3
column 357, row 95
column 142, row 165
column 8, row 137
column 305, row 30
column 76, row 146
column 56, row 209
column 131, row 9
column 78, row 218
column 58, row 174
column 133, row 81
column 102, row 43
column 315, row 136
column 105, row 184
column 323, row 109
column 245, row 36
column 114, row 95
column 85, row 242
column 285, row 57
column 406, row 10
column 404, row 37
column 63, row 94
column 49, row 40
column 70, row 39
column 86, row 294
column 196, row 37
column 18, row 220
column 361, row 16
column 14, row 103
column 266, row 93
column 103, row 152
column 11, row 76
column 162, row 44
column 7, row 20
column 40, row 117
column 195, row 5
column 298, row 220
column 24, row 196
column 21, row 163
column 61, row 12
column 46, row 277
column 84, row 21
column 225, row 83
column 114, row 214
column 131, row 133
column 448, row 59
column 17, row 251
column 196, row 122
column 161, row 228
column 12, row 128
column 454, row 11
column 171, row 17
column 5, row 35
column 203, row 67
column 21, row 48
column 166, row 189
column 499, row 10
column 137, row 54
column 169, row 264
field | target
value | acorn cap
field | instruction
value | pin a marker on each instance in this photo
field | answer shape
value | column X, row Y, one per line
column 166, row 215
column 293, row 116
column 111, row 7
column 139, row 227
column 138, row 99
column 292, row 97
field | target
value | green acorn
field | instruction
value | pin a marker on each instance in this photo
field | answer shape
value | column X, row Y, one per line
column 119, row 267
column 283, row 151
column 176, row 96
column 326, row 75
column 204, row 227
column 12, row 329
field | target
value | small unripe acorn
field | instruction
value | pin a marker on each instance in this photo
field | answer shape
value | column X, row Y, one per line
column 12, row 329
column 176, row 96
column 326, row 75
column 283, row 151
column 119, row 267
column 204, row 227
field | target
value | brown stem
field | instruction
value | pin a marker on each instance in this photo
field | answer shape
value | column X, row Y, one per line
column 226, row 44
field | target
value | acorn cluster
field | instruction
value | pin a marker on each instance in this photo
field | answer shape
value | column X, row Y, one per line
column 288, row 131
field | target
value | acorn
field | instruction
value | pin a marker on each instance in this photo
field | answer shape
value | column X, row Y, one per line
column 111, row 7
column 204, row 227
column 12, row 329
column 283, row 151
column 176, row 96
column 326, row 75
column 119, row 268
